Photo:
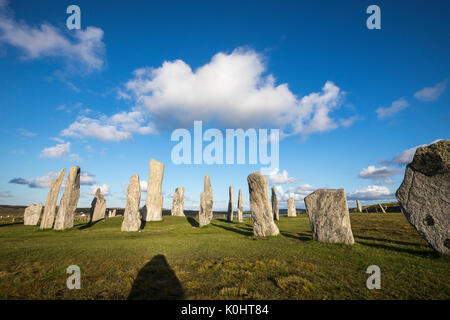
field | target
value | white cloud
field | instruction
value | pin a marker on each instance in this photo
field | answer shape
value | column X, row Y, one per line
column 230, row 84
column 26, row 133
column 118, row 127
column 79, row 48
column 59, row 151
column 374, row 173
column 406, row 156
column 143, row 185
column 277, row 177
column 104, row 188
column 371, row 193
column 39, row 182
column 296, row 193
column 395, row 107
column 87, row 178
column 431, row 93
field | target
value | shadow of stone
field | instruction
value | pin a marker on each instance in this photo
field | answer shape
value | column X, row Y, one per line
column 143, row 223
column 156, row 281
column 422, row 253
column 10, row 224
column 89, row 224
column 239, row 231
column 298, row 236
column 193, row 222
column 389, row 241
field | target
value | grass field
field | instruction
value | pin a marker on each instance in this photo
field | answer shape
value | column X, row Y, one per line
column 174, row 259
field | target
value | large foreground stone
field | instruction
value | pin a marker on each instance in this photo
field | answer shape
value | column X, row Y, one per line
column 98, row 206
column 32, row 214
column 328, row 214
column 292, row 211
column 358, row 206
column 69, row 200
column 424, row 195
column 154, row 199
column 205, row 212
column 131, row 217
column 239, row 207
column 178, row 202
column 262, row 215
column 50, row 205
column 230, row 204
column 275, row 210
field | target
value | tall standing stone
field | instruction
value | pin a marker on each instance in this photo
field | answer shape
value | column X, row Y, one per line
column 131, row 219
column 424, row 195
column 381, row 207
column 239, row 207
column 358, row 206
column 230, row 204
column 292, row 211
column 113, row 213
column 328, row 214
column 275, row 210
column 98, row 206
column 262, row 216
column 178, row 202
column 32, row 214
column 154, row 199
column 69, row 200
column 205, row 212
column 50, row 205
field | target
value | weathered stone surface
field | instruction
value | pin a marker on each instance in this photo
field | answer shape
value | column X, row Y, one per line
column 230, row 204
column 292, row 211
column 424, row 195
column 69, row 200
column 327, row 210
column 98, row 206
column 381, row 207
column 239, row 207
column 262, row 215
column 50, row 205
column 154, row 199
column 113, row 213
column 205, row 212
column 32, row 214
column 358, row 206
column 275, row 210
column 131, row 217
column 178, row 202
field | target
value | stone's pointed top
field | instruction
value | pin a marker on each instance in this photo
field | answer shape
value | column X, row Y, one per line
column 433, row 159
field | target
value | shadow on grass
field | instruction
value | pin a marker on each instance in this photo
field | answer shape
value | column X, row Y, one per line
column 89, row 224
column 156, row 281
column 297, row 236
column 421, row 253
column 143, row 223
column 236, row 230
column 193, row 222
column 404, row 243
column 10, row 224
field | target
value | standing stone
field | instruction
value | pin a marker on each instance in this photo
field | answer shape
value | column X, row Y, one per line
column 358, row 206
column 275, row 210
column 32, row 214
column 239, row 206
column 262, row 215
column 154, row 199
column 328, row 214
column 50, row 205
column 292, row 211
column 230, row 204
column 205, row 212
column 382, row 209
column 424, row 195
column 131, row 218
column 69, row 200
column 114, row 212
column 178, row 202
column 98, row 206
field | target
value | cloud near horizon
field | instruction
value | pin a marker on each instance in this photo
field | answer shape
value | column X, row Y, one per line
column 371, row 193
column 43, row 182
column 173, row 95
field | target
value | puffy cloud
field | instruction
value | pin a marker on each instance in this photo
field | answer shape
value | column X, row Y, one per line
column 143, row 185
column 79, row 48
column 395, row 107
column 374, row 173
column 406, row 156
column 296, row 193
column 118, row 127
column 59, row 151
column 371, row 193
column 104, row 188
column 428, row 94
column 277, row 177
column 86, row 178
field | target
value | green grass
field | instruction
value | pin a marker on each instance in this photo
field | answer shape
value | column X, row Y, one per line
column 174, row 259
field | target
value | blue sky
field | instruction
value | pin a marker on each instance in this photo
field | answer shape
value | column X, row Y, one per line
column 353, row 102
